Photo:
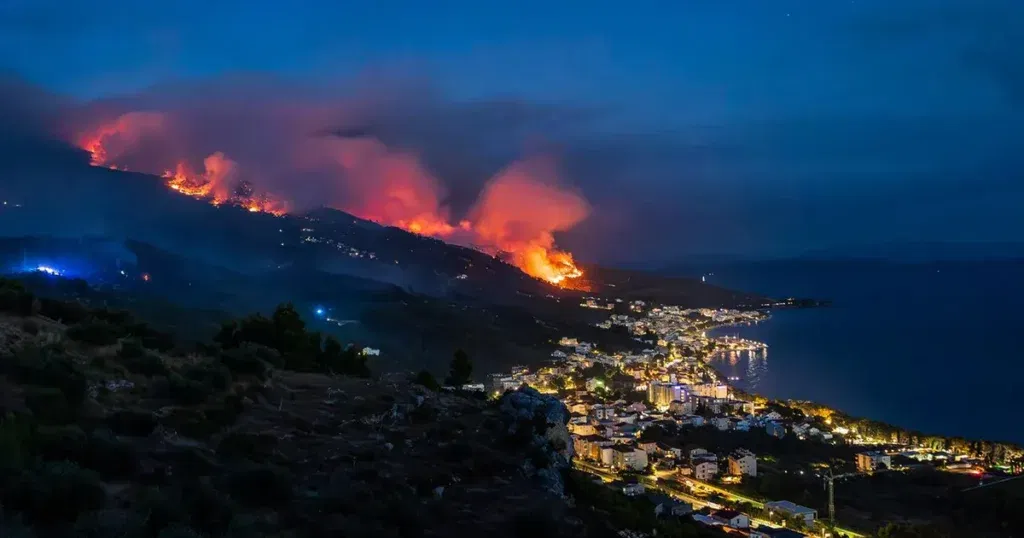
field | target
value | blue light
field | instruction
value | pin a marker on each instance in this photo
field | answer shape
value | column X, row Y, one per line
column 49, row 270
column 319, row 311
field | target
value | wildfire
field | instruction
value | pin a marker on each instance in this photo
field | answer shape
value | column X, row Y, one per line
column 516, row 214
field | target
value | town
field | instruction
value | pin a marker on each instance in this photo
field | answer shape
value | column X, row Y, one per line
column 661, row 423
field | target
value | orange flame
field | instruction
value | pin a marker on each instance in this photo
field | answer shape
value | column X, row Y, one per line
column 517, row 212
column 216, row 184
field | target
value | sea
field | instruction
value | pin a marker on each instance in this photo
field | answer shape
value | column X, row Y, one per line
column 935, row 347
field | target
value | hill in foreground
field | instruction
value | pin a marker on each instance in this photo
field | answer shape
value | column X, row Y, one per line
column 109, row 430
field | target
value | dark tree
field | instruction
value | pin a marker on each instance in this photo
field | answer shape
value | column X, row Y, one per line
column 461, row 369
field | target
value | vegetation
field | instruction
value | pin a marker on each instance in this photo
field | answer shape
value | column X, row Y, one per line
column 461, row 370
column 300, row 350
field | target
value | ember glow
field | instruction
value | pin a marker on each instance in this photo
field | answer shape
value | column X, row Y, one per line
column 516, row 213
column 515, row 216
column 218, row 183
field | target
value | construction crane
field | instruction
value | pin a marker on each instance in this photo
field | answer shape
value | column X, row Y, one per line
column 829, row 479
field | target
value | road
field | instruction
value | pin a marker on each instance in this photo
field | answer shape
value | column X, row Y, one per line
column 676, row 489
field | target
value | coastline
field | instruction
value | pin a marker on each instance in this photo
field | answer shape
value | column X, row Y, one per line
column 814, row 408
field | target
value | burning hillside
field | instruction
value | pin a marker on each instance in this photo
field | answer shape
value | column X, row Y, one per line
column 515, row 216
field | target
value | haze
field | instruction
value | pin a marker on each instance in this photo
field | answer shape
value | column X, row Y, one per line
column 751, row 127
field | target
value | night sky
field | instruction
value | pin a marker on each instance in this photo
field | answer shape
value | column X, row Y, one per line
column 735, row 126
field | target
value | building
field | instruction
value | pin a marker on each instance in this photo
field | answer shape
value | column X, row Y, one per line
column 704, row 469
column 775, row 429
column 732, row 518
column 712, row 390
column 628, row 457
column 722, row 423
column 631, row 490
column 602, row 412
column 665, row 506
column 677, row 407
column 661, row 395
column 772, row 532
column 873, row 461
column 790, row 509
column 742, row 462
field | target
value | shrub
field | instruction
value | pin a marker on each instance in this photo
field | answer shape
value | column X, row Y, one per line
column 48, row 405
column 209, row 510
column 187, row 391
column 14, row 443
column 179, row 531
column 36, row 366
column 209, row 373
column 96, row 332
column 109, row 523
column 426, row 379
column 150, row 338
column 132, row 422
column 189, row 422
column 30, row 326
column 111, row 457
column 226, row 412
column 131, row 349
column 252, row 446
column 16, row 300
column 59, row 443
column 69, row 312
column 57, row 493
column 263, row 485
column 145, row 364
column 246, row 360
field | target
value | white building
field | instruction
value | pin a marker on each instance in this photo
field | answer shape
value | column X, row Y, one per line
column 705, row 469
column 742, row 462
column 661, row 395
column 872, row 461
column 628, row 457
column 790, row 509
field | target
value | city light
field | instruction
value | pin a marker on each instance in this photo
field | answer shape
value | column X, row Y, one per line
column 49, row 270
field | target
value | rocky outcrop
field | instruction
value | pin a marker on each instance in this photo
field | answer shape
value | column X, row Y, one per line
column 540, row 421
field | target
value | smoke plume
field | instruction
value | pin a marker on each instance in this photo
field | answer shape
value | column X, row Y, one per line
column 275, row 149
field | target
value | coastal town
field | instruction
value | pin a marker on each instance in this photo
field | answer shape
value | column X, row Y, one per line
column 660, row 423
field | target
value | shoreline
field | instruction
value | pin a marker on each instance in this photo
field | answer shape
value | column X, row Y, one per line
column 828, row 409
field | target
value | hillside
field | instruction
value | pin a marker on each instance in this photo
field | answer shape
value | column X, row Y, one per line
column 110, row 429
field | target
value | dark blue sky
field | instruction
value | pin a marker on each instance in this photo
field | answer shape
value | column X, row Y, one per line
column 762, row 126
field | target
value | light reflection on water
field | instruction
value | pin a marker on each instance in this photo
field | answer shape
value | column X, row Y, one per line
column 749, row 366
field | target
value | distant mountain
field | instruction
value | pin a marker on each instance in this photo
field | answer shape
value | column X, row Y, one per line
column 415, row 297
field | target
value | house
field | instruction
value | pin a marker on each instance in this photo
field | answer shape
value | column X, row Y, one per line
column 589, row 446
column 602, row 412
column 722, row 423
column 775, row 429
column 742, row 462
column 678, row 407
column 791, row 509
column 872, row 461
column 742, row 425
column 636, row 407
column 633, row 489
column 607, row 456
column 763, row 531
column 773, row 416
column 704, row 470
column 666, row 506
column 628, row 457
column 732, row 518
column 582, row 428
column 650, row 447
column 699, row 453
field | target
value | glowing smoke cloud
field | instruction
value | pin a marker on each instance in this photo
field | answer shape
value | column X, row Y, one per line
column 516, row 214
